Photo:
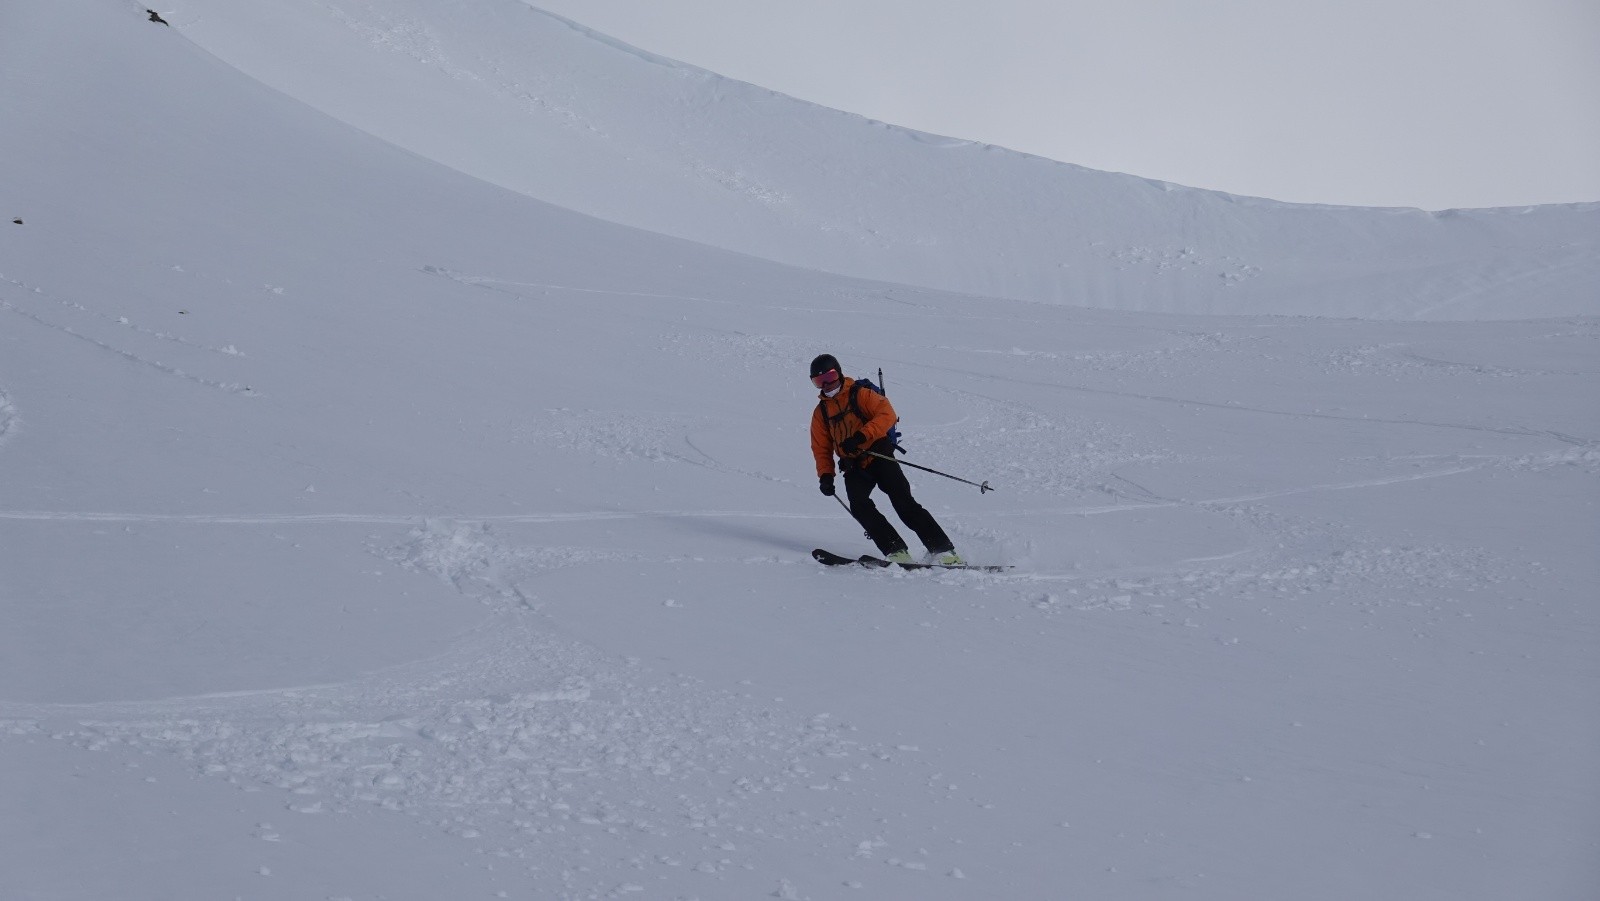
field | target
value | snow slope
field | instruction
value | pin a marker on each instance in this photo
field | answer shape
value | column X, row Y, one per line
column 371, row 530
column 543, row 106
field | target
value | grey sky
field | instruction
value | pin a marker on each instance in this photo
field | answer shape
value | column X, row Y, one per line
column 1429, row 103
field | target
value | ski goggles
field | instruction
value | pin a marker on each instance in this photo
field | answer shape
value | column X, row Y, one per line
column 824, row 379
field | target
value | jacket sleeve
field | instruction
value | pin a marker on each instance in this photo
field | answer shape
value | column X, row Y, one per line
column 821, row 444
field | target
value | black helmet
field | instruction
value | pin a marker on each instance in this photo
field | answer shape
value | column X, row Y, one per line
column 823, row 363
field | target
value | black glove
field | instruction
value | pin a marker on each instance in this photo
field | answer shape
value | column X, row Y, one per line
column 826, row 484
column 852, row 445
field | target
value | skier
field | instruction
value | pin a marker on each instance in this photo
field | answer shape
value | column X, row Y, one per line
column 849, row 421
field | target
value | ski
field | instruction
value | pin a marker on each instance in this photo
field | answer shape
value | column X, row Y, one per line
column 879, row 562
column 829, row 558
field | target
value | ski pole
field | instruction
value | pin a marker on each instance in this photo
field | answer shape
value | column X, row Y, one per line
column 981, row 488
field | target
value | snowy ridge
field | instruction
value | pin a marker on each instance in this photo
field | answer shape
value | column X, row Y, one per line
column 545, row 107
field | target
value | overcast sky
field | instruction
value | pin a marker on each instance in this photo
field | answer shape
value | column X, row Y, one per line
column 1426, row 103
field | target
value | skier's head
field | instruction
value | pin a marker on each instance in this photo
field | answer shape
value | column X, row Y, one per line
column 826, row 375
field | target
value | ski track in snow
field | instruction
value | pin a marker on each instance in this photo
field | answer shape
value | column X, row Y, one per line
column 1299, row 414
column 74, row 308
column 1294, row 558
column 518, row 289
column 99, row 319
column 1584, row 456
column 8, row 418
column 1394, row 360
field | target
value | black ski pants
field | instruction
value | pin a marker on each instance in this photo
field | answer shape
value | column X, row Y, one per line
column 887, row 475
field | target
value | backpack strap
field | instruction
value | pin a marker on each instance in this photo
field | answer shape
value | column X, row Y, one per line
column 854, row 407
column 855, row 404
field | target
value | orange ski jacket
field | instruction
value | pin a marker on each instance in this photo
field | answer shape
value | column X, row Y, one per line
column 835, row 420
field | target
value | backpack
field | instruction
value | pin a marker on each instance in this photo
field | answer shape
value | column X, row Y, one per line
column 855, row 407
